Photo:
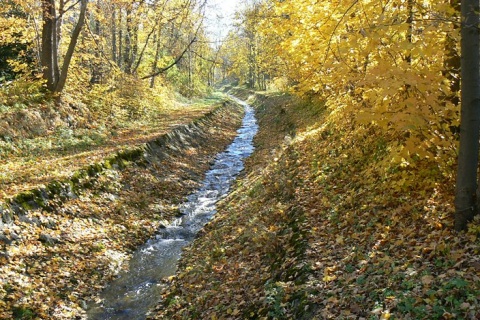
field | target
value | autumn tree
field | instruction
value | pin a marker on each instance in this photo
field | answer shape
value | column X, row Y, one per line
column 249, row 53
column 389, row 67
column 55, row 70
column 15, row 41
column 466, row 199
column 110, row 45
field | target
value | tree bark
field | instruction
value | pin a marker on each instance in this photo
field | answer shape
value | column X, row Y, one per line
column 114, row 34
column 55, row 77
column 59, row 22
column 49, row 44
column 127, row 56
column 96, row 66
column 157, row 57
column 466, row 186
column 410, row 3
column 120, row 40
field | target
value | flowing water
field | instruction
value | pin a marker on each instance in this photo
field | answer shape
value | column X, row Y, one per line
column 137, row 290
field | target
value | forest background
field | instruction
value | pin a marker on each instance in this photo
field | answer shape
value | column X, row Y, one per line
column 385, row 72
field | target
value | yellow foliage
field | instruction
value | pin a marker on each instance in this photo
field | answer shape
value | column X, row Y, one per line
column 377, row 63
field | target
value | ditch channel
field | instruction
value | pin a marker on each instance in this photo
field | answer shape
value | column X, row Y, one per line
column 139, row 288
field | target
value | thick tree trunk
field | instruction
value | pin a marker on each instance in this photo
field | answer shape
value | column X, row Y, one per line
column 465, row 194
column 55, row 77
column 49, row 47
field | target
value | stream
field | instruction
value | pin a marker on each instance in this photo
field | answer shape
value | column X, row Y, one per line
column 137, row 290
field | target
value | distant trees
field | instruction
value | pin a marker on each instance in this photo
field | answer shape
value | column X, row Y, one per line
column 96, row 41
column 248, row 53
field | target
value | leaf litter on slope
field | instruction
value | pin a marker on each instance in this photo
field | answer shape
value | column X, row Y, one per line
column 323, row 231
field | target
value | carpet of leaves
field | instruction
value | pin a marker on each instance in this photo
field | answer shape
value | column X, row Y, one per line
column 318, row 229
column 57, row 155
column 52, row 263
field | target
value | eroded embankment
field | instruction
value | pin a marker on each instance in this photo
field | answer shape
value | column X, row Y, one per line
column 60, row 244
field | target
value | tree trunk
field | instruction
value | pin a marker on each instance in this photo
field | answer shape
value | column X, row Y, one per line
column 120, row 40
column 59, row 23
column 410, row 3
column 114, row 34
column 96, row 66
column 189, row 69
column 127, row 56
column 465, row 193
column 157, row 56
column 134, row 48
column 55, row 77
column 71, row 47
column 49, row 44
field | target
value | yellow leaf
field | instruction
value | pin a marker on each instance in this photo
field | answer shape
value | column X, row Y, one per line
column 385, row 315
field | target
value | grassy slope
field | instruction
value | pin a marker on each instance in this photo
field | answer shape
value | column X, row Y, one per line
column 317, row 230
column 29, row 162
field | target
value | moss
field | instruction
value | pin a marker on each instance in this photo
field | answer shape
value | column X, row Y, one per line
column 135, row 154
column 24, row 197
column 130, row 155
column 27, row 200
column 94, row 169
column 79, row 175
column 107, row 164
column 54, row 188
column 39, row 198
column 27, row 206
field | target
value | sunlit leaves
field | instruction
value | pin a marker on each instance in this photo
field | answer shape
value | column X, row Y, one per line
column 381, row 62
column 367, row 242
